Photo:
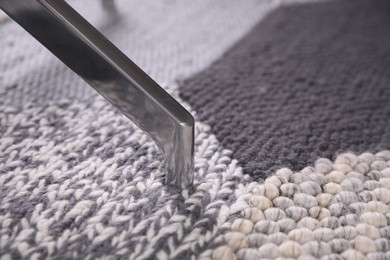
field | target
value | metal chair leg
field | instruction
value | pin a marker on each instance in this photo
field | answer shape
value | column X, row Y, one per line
column 89, row 54
column 3, row 16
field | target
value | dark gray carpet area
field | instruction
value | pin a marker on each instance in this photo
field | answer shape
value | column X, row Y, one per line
column 308, row 81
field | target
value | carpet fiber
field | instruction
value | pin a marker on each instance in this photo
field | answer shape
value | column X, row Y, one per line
column 292, row 156
column 309, row 81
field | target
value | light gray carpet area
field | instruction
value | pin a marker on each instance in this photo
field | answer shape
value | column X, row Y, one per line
column 169, row 41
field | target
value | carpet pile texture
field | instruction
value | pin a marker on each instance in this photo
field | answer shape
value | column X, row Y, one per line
column 292, row 143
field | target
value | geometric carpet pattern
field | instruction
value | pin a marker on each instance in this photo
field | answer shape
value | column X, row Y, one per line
column 309, row 81
column 292, row 152
column 76, row 189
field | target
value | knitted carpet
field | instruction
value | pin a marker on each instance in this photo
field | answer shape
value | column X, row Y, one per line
column 291, row 137
column 309, row 81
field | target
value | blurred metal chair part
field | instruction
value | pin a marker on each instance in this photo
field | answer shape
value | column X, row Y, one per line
column 103, row 66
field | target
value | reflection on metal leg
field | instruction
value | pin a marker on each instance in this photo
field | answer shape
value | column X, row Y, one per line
column 88, row 53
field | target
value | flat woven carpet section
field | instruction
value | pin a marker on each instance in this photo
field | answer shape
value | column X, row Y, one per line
column 308, row 81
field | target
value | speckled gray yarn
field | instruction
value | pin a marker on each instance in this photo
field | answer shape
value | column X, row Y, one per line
column 77, row 179
column 75, row 189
